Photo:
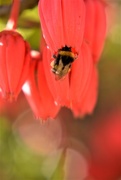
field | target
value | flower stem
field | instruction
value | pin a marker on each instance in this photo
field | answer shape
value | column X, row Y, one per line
column 12, row 22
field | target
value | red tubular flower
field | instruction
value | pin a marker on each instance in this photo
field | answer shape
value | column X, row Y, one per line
column 72, row 28
column 37, row 92
column 95, row 26
column 62, row 22
column 14, row 63
column 69, row 22
column 78, row 90
column 14, row 57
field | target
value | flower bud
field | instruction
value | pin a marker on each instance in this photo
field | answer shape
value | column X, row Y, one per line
column 14, row 63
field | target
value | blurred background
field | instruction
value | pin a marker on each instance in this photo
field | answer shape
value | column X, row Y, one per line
column 68, row 148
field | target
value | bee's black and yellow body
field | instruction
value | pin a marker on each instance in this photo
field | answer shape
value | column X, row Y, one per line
column 62, row 63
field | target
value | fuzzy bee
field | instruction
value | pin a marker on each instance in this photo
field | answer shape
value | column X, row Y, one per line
column 62, row 61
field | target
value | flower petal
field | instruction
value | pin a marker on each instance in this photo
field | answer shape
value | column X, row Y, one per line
column 100, row 30
column 89, row 22
column 62, row 22
column 80, row 73
column 88, row 101
column 38, row 95
column 3, row 71
column 46, row 97
column 25, row 69
column 32, row 95
column 73, row 22
column 95, row 26
column 60, row 88
column 83, row 83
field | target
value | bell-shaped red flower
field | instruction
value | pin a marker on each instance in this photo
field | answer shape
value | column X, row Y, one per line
column 37, row 92
column 74, row 32
column 62, row 23
column 78, row 90
column 68, row 23
column 14, row 63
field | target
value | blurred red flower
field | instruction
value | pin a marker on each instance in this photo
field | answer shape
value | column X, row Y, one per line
column 105, row 144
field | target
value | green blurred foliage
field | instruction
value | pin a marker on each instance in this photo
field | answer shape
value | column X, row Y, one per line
column 16, row 161
column 5, row 2
column 59, row 171
column 28, row 26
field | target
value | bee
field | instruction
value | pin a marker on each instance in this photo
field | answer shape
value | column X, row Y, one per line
column 61, row 65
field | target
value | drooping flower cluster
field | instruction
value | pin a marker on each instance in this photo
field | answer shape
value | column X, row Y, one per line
column 74, row 32
column 64, row 73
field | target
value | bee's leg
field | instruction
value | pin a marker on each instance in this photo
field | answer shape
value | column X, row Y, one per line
column 76, row 56
column 52, row 64
column 54, row 56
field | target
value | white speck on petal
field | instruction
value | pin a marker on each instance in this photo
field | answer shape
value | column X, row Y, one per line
column 1, row 44
column 56, row 103
column 26, row 89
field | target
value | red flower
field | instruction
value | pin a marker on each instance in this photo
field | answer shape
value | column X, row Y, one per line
column 62, row 23
column 105, row 144
column 1, row 102
column 68, row 23
column 74, row 32
column 78, row 90
column 37, row 92
column 14, row 63
column 14, row 57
